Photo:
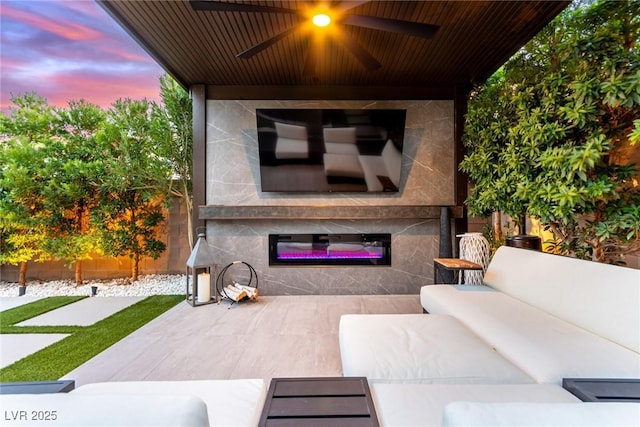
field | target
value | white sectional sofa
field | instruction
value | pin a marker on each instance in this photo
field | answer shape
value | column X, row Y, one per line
column 227, row 403
column 539, row 318
column 340, row 161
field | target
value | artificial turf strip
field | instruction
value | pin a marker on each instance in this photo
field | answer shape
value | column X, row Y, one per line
column 21, row 313
column 60, row 358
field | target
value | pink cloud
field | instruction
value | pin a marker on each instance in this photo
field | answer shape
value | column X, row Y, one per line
column 68, row 30
column 68, row 50
column 103, row 90
column 9, row 63
column 128, row 55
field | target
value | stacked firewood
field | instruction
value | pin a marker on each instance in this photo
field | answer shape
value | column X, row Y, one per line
column 238, row 292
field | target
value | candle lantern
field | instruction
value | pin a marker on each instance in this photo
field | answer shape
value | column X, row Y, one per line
column 201, row 274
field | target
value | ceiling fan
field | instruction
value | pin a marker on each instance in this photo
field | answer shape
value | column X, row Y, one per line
column 335, row 13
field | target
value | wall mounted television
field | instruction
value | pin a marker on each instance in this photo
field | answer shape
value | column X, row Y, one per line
column 330, row 150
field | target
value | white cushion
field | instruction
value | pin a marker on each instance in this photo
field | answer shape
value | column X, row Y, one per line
column 292, row 142
column 372, row 167
column 340, row 135
column 419, row 348
column 285, row 130
column 393, row 162
column 541, row 414
column 442, row 299
column 601, row 298
column 423, row 404
column 287, row 148
column 545, row 347
column 344, row 165
column 229, row 402
column 388, row 164
column 121, row 410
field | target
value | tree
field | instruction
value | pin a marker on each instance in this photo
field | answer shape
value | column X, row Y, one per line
column 73, row 168
column 133, row 184
column 21, row 240
column 176, row 144
column 545, row 133
column 49, row 181
column 28, row 124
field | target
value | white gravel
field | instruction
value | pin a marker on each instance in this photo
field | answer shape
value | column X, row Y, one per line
column 150, row 284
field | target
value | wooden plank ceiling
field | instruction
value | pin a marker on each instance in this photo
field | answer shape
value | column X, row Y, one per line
column 200, row 47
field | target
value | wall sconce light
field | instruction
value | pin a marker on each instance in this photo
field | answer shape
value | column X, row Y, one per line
column 200, row 266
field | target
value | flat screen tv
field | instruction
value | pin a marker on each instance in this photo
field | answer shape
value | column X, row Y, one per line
column 330, row 150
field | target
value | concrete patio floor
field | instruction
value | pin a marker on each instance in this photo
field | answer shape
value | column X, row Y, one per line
column 278, row 336
column 274, row 337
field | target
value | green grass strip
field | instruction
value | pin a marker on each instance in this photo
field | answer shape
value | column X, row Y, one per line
column 62, row 329
column 21, row 313
column 58, row 359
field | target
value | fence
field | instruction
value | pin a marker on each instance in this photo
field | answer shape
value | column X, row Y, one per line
column 171, row 261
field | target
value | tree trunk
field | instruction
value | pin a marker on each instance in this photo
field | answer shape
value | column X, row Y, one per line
column 78, row 272
column 22, row 279
column 135, row 267
column 523, row 224
column 82, row 226
column 497, row 226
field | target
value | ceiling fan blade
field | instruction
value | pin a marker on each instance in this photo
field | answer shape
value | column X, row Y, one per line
column 365, row 58
column 216, row 6
column 415, row 29
column 265, row 44
column 310, row 63
column 343, row 6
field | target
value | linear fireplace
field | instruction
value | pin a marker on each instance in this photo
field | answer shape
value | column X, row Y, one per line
column 329, row 249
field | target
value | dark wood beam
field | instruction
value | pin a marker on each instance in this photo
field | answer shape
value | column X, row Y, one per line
column 217, row 212
column 329, row 92
column 199, row 153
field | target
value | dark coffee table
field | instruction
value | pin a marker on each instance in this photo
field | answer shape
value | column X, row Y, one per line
column 319, row 402
column 603, row 390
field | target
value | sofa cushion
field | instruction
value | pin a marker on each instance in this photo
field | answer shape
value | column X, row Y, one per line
column 345, row 165
column 229, row 402
column 287, row 148
column 393, row 162
column 103, row 410
column 292, row 142
column 285, row 130
column 419, row 348
column 388, row 164
column 339, row 135
column 545, row 347
column 541, row 414
column 441, row 299
column 373, row 166
column 600, row 298
column 423, row 404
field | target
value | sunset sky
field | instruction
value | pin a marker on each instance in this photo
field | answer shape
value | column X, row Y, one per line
column 67, row 50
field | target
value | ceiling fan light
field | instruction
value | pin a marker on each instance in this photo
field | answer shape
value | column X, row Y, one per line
column 321, row 20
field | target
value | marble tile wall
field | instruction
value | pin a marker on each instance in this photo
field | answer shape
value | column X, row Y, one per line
column 233, row 179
